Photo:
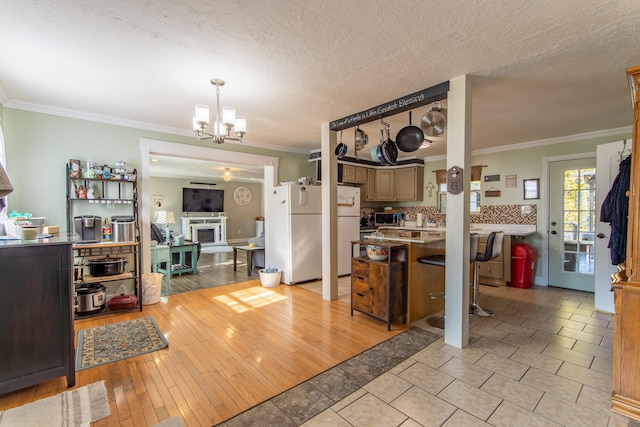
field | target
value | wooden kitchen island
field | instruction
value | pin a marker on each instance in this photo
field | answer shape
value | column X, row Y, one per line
column 406, row 284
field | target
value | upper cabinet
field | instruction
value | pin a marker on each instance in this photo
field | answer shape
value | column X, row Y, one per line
column 381, row 183
column 408, row 183
column 401, row 184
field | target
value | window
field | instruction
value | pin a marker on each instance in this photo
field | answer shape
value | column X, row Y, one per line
column 474, row 197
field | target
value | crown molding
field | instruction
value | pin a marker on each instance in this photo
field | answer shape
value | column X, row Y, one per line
column 550, row 141
column 82, row 115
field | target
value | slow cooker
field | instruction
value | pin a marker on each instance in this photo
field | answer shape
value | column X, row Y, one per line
column 90, row 298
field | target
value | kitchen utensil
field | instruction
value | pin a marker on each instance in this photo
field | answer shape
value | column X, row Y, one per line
column 377, row 253
column 389, row 150
column 361, row 139
column 410, row 138
column 122, row 302
column 434, row 122
column 106, row 266
column 341, row 148
column 374, row 153
column 90, row 298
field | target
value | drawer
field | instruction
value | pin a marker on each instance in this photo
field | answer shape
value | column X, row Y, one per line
column 361, row 301
column 359, row 284
column 359, row 267
column 491, row 269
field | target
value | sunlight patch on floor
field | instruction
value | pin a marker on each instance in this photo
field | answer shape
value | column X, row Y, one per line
column 250, row 298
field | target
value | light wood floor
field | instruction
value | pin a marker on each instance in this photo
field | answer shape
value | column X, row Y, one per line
column 230, row 348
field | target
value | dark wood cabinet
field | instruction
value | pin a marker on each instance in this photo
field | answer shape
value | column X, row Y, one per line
column 36, row 314
column 626, row 285
column 378, row 288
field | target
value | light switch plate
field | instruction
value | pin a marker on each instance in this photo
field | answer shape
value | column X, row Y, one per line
column 526, row 209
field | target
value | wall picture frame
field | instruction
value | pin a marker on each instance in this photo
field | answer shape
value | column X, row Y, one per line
column 531, row 188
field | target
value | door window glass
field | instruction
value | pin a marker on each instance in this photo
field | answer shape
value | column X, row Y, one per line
column 579, row 191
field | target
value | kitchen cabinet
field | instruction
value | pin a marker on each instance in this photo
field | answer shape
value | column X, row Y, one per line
column 348, row 173
column 625, row 397
column 399, row 184
column 361, row 175
column 496, row 272
column 370, row 187
column 378, row 288
column 408, row 183
column 354, row 174
column 384, row 184
column 381, row 183
column 36, row 313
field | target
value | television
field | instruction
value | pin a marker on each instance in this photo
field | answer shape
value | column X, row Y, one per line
column 202, row 200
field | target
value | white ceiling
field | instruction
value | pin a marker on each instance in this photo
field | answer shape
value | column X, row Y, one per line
column 541, row 69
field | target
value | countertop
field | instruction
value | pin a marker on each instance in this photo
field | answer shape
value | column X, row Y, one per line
column 509, row 229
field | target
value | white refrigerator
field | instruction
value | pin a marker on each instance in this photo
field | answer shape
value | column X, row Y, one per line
column 348, row 226
column 293, row 236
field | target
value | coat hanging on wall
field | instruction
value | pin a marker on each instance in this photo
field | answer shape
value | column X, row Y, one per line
column 614, row 210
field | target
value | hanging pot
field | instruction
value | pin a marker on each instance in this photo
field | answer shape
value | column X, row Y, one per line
column 341, row 148
column 361, row 139
column 389, row 150
column 434, row 122
column 379, row 153
column 410, row 138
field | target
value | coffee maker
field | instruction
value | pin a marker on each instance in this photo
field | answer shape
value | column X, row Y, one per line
column 89, row 228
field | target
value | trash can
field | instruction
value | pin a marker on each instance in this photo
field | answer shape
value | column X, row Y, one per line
column 151, row 288
column 269, row 280
column 523, row 265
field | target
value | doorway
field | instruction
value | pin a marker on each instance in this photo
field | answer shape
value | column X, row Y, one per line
column 572, row 221
column 150, row 146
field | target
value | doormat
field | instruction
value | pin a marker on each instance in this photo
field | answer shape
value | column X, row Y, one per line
column 105, row 344
column 78, row 407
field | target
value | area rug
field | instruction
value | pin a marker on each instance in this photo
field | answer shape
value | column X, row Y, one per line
column 216, row 249
column 117, row 341
column 79, row 407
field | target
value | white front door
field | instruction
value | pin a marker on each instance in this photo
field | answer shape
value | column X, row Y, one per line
column 608, row 162
column 572, row 219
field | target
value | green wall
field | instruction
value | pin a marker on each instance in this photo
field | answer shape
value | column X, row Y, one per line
column 38, row 146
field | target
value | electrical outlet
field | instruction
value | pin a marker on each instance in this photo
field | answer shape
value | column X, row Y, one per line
column 526, row 209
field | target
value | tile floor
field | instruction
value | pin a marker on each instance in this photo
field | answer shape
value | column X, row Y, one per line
column 543, row 359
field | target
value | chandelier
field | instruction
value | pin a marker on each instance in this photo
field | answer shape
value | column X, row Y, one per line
column 227, row 175
column 222, row 128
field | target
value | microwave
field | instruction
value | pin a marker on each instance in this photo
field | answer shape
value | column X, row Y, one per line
column 383, row 218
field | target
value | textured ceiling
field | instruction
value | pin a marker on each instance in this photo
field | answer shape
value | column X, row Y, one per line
column 540, row 69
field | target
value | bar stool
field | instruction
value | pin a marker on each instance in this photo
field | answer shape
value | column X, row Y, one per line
column 493, row 250
column 439, row 260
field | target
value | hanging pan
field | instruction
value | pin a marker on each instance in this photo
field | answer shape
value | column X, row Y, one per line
column 341, row 148
column 434, row 122
column 389, row 150
column 410, row 138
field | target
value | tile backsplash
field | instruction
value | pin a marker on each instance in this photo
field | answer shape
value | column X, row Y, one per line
column 494, row 214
